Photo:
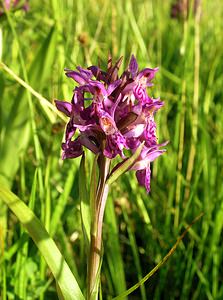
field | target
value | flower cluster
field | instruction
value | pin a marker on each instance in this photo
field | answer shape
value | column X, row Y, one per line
column 112, row 114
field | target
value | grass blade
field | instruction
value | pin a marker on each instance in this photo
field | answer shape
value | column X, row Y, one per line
column 64, row 277
column 85, row 202
column 160, row 264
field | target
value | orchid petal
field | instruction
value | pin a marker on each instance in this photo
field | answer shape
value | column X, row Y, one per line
column 133, row 66
column 115, row 144
column 143, row 177
column 135, row 131
column 78, row 77
column 85, row 72
column 72, row 149
column 148, row 73
column 113, row 86
column 64, row 107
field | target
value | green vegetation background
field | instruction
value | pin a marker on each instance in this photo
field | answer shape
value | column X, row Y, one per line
column 139, row 229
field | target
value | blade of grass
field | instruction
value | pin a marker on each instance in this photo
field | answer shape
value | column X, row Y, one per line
column 63, row 199
column 84, row 202
column 113, row 255
column 134, row 251
column 43, row 101
column 136, row 30
column 58, row 266
column 195, row 104
column 160, row 264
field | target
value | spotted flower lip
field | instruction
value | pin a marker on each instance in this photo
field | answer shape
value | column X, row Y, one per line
column 109, row 114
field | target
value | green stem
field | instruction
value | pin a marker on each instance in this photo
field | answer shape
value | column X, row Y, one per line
column 95, row 255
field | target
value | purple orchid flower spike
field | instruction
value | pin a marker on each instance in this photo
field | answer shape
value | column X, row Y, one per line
column 113, row 113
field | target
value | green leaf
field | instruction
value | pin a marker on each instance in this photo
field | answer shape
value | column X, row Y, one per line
column 85, row 201
column 50, row 109
column 93, row 186
column 62, row 200
column 124, row 166
column 44, row 60
column 58, row 266
column 135, row 251
column 17, row 123
column 113, row 253
column 160, row 264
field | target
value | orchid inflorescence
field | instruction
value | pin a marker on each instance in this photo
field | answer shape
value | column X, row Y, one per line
column 113, row 114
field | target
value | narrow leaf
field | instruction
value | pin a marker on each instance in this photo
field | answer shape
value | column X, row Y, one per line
column 47, row 106
column 85, row 202
column 113, row 253
column 62, row 200
column 160, row 264
column 93, row 186
column 58, row 266
column 124, row 166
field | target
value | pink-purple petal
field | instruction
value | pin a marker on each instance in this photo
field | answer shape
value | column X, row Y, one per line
column 143, row 177
column 133, row 66
column 72, row 149
column 113, row 86
column 64, row 107
column 78, row 77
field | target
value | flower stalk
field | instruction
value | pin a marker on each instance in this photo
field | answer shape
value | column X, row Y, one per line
column 95, row 253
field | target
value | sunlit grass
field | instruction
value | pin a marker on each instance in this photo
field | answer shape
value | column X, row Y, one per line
column 139, row 229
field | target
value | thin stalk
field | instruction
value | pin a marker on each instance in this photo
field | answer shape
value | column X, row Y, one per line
column 180, row 155
column 48, row 107
column 195, row 115
column 95, row 255
column 4, row 281
column 161, row 263
column 181, row 125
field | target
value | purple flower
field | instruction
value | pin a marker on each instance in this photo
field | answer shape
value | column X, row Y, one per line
column 72, row 149
column 140, row 81
column 109, row 114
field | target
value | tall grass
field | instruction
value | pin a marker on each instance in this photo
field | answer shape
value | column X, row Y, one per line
column 139, row 229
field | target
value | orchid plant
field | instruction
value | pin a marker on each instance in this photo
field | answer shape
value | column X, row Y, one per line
column 112, row 116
